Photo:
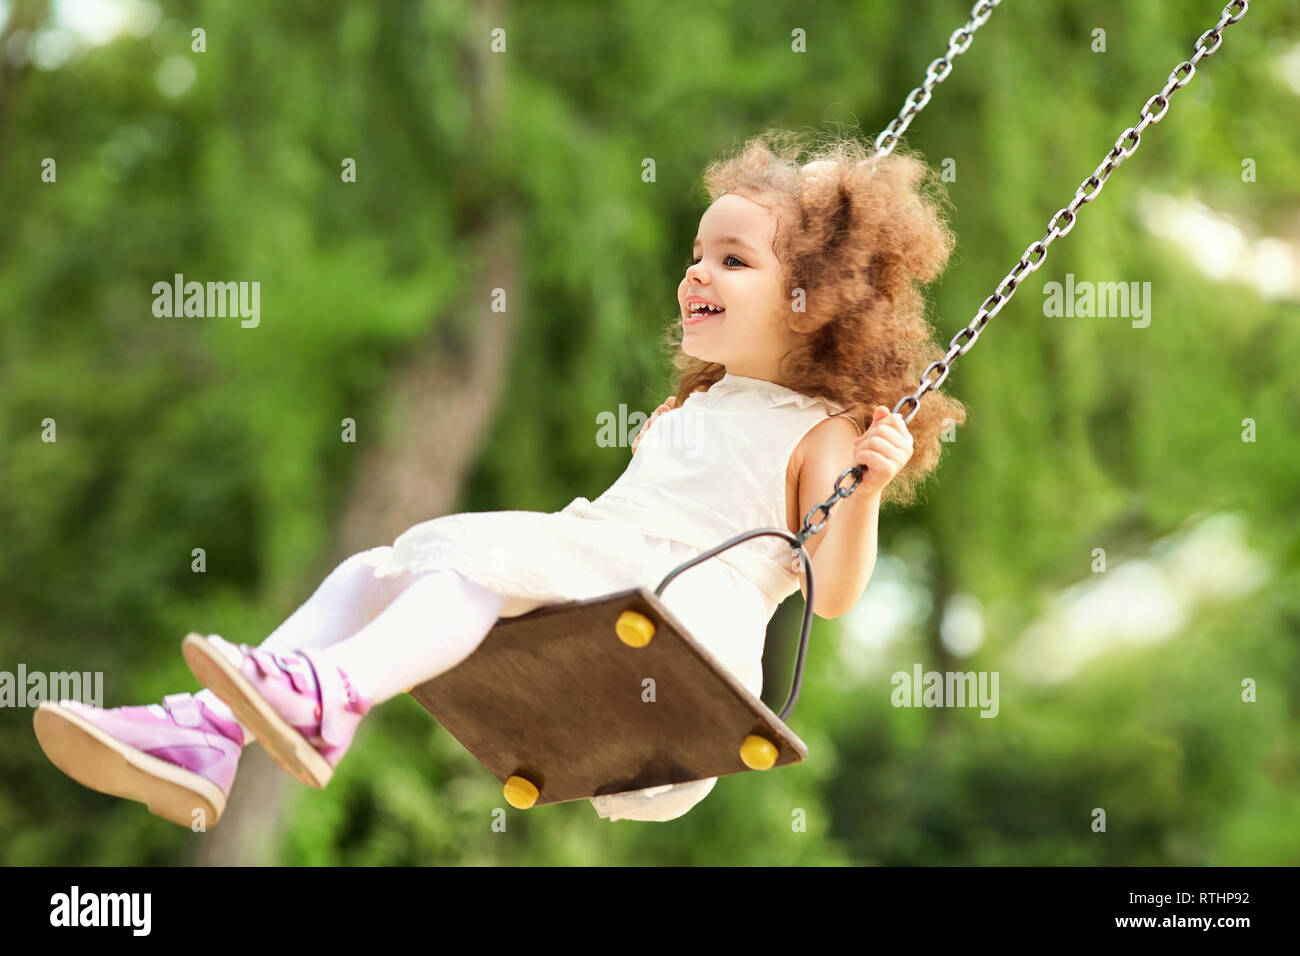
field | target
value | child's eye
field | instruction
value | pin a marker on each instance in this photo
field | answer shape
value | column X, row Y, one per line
column 691, row 260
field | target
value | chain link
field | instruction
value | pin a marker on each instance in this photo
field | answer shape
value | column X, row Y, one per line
column 1088, row 190
column 919, row 97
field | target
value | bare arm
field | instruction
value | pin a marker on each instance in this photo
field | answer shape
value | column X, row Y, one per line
column 844, row 552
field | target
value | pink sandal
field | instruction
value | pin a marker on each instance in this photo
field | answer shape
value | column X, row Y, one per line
column 178, row 758
column 277, row 697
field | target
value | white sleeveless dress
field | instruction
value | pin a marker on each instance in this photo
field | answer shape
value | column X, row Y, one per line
column 702, row 473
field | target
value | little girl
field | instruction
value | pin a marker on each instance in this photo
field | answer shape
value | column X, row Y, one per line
column 799, row 325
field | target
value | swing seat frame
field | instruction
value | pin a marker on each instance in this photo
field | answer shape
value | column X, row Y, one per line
column 556, row 701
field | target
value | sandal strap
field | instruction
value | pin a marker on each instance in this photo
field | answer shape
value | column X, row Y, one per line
column 299, row 671
column 331, row 689
column 184, row 709
column 337, row 694
column 271, row 664
column 264, row 660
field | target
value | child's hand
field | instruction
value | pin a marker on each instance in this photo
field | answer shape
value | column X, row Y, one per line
column 669, row 402
column 884, row 449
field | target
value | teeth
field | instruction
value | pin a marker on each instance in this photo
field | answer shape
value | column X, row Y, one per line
column 698, row 307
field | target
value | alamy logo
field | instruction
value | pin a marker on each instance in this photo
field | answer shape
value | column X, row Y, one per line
column 949, row 689
column 215, row 299
column 1128, row 300
column 102, row 909
column 29, row 690
column 678, row 429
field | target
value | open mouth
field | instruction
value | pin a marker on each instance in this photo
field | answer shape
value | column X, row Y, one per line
column 701, row 311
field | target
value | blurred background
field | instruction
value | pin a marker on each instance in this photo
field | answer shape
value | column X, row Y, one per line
column 521, row 170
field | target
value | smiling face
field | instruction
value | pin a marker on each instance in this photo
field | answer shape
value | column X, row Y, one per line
column 736, row 270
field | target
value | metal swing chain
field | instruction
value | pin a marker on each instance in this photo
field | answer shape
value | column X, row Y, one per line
column 916, row 100
column 1124, row 147
column 958, row 43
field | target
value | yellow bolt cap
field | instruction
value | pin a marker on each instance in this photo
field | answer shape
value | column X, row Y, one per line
column 634, row 629
column 758, row 753
column 520, row 793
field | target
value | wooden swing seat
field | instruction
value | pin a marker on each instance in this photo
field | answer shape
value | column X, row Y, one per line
column 558, row 704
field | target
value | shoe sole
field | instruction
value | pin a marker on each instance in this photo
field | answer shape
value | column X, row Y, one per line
column 290, row 749
column 96, row 759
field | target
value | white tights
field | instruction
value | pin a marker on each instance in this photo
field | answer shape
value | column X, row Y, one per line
column 387, row 634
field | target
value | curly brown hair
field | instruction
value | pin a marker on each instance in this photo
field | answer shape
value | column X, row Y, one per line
column 858, row 242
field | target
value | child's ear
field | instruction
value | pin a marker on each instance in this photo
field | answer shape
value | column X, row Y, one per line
column 800, row 322
column 807, row 325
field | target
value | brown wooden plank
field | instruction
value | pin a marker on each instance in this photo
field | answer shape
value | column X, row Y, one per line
column 554, row 696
